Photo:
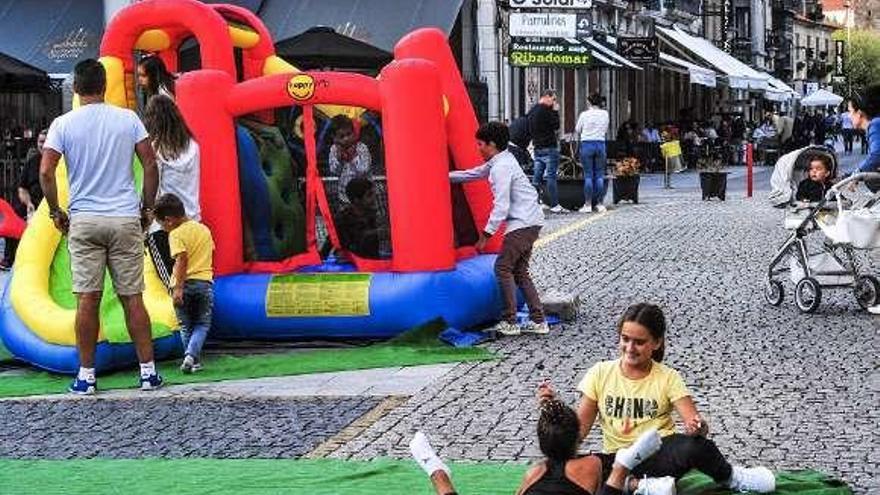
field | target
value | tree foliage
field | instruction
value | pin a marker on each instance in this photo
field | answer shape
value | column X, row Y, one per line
column 862, row 59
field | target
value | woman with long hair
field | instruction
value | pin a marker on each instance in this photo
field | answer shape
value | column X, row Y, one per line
column 177, row 155
column 154, row 77
column 591, row 130
column 637, row 393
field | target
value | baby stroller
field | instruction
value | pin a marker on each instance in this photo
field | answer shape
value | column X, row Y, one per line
column 849, row 219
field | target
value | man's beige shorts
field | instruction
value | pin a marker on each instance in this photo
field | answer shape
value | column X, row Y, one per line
column 98, row 242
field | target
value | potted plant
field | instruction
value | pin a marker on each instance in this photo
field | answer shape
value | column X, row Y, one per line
column 713, row 181
column 625, row 184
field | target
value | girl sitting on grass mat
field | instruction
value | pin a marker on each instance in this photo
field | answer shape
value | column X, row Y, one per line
column 636, row 393
column 562, row 472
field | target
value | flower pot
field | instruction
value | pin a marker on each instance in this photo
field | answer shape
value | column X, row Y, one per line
column 625, row 188
column 713, row 185
column 571, row 193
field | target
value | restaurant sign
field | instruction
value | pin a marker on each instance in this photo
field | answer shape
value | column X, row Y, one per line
column 541, row 52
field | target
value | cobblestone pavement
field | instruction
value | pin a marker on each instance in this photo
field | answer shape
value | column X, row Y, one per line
column 172, row 427
column 779, row 387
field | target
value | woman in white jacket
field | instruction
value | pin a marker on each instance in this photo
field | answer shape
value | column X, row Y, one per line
column 177, row 154
column 591, row 129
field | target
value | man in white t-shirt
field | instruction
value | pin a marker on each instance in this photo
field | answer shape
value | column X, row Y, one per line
column 106, row 216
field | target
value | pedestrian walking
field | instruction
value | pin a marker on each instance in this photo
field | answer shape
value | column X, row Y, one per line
column 106, row 216
column 592, row 129
column 544, row 128
column 516, row 203
column 846, row 129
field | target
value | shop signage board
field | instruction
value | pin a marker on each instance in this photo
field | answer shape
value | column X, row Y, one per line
column 544, row 52
column 544, row 25
column 839, row 61
column 552, row 4
column 639, row 50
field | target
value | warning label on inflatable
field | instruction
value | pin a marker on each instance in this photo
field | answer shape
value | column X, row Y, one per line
column 318, row 294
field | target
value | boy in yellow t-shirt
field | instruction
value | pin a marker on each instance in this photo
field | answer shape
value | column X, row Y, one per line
column 192, row 248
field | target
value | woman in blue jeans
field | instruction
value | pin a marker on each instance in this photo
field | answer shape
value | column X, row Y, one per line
column 591, row 129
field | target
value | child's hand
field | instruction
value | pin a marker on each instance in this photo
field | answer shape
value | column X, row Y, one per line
column 177, row 296
column 696, row 427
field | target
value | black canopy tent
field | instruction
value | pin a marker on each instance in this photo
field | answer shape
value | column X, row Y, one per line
column 320, row 47
column 19, row 77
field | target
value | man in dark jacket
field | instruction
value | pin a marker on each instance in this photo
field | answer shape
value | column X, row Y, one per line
column 544, row 126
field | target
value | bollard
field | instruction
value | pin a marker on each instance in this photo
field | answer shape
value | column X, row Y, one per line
column 749, row 164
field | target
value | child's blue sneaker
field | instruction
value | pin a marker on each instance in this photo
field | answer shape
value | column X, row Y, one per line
column 83, row 387
column 151, row 382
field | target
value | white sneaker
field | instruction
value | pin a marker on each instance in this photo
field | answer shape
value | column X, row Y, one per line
column 558, row 209
column 644, row 447
column 656, row 486
column 543, row 206
column 425, row 456
column 586, row 209
column 601, row 208
column 757, row 479
column 874, row 310
column 188, row 364
column 538, row 328
column 506, row 328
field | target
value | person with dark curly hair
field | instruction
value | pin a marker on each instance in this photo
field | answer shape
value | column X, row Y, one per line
column 562, row 472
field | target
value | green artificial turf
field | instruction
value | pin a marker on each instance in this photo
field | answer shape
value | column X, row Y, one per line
column 416, row 347
column 313, row 477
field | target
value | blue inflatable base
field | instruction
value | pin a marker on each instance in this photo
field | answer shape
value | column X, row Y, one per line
column 465, row 297
column 22, row 343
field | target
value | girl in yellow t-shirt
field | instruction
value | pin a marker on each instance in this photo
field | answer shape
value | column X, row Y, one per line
column 636, row 393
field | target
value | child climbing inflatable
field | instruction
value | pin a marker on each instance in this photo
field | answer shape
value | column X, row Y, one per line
column 270, row 281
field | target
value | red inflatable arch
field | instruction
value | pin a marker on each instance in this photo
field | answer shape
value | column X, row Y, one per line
column 421, row 89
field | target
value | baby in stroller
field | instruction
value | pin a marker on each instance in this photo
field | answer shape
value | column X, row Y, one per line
column 845, row 213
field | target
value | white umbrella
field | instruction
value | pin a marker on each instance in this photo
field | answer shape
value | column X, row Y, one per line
column 821, row 98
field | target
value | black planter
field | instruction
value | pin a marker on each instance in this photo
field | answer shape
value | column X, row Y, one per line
column 571, row 193
column 713, row 185
column 626, row 188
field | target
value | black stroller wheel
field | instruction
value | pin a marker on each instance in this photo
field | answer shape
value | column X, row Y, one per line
column 773, row 292
column 867, row 290
column 808, row 295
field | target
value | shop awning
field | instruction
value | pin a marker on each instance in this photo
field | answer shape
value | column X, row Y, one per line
column 738, row 74
column 779, row 91
column 380, row 23
column 52, row 35
column 699, row 75
column 609, row 53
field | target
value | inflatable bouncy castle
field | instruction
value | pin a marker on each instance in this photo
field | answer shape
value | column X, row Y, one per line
column 270, row 204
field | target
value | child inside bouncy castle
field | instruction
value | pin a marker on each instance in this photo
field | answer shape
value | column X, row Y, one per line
column 349, row 158
column 192, row 287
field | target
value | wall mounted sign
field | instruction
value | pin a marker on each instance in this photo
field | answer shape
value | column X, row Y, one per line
column 641, row 50
column 542, row 52
column 552, row 4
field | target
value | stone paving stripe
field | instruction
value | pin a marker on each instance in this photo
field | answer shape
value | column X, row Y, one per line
column 357, row 427
column 547, row 239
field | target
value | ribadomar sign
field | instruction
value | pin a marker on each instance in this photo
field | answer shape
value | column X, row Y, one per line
column 537, row 52
column 522, row 58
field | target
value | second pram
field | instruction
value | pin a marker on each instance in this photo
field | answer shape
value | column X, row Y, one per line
column 845, row 221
